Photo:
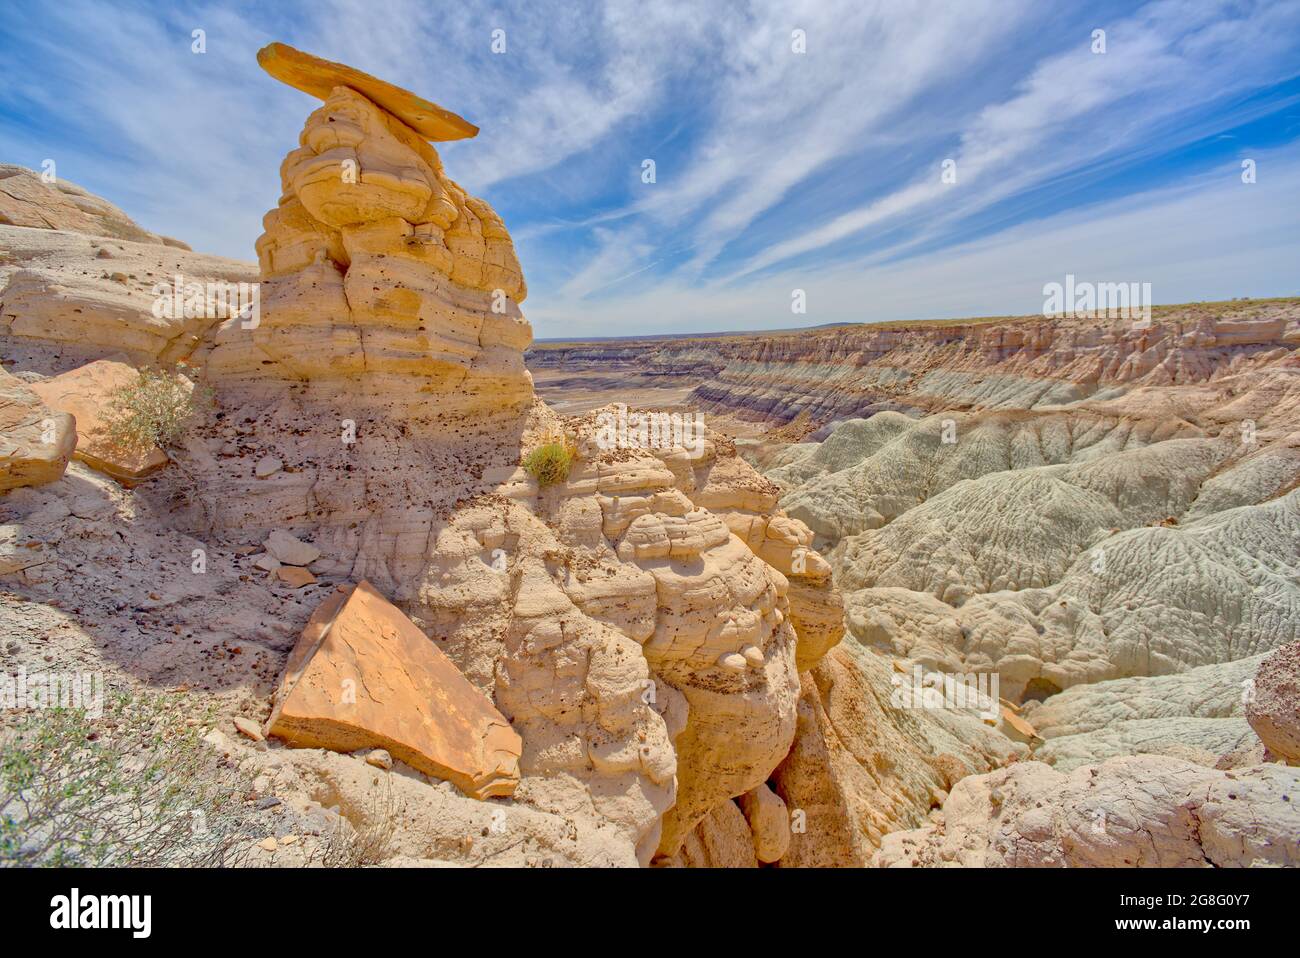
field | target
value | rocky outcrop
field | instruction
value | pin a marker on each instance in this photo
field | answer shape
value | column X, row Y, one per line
column 36, row 441
column 1273, row 703
column 320, row 78
column 1142, row 811
column 67, row 299
column 363, row 676
column 1016, row 363
column 638, row 625
column 38, row 201
column 864, row 763
column 382, row 280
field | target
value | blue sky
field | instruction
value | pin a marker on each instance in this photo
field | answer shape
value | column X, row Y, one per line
column 775, row 170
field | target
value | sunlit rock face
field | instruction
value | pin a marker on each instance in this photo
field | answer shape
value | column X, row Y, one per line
column 382, row 280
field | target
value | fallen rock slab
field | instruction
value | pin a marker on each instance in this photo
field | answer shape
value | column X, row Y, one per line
column 35, row 441
column 267, row 562
column 302, row 71
column 289, row 549
column 363, row 675
column 295, row 576
column 1273, row 710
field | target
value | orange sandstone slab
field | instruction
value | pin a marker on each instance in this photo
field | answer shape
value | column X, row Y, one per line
column 85, row 393
column 1015, row 727
column 35, row 441
column 310, row 74
column 294, row 576
column 363, row 675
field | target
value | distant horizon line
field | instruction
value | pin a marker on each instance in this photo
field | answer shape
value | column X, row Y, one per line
column 959, row 320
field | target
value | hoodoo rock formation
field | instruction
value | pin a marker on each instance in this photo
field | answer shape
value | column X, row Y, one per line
column 645, row 653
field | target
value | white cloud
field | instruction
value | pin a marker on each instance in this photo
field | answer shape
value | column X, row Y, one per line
column 1006, row 147
column 1210, row 238
column 773, row 167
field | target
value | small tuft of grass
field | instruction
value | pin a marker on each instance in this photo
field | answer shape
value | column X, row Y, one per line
column 550, row 462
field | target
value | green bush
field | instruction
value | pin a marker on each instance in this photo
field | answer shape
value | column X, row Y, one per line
column 549, row 463
column 154, row 410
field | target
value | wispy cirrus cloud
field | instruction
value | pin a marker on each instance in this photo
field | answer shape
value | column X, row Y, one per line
column 1209, row 237
column 775, row 167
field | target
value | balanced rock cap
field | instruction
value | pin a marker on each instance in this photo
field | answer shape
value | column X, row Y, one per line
column 310, row 74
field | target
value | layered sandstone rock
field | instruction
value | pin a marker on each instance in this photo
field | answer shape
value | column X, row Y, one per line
column 1273, row 703
column 67, row 299
column 36, row 441
column 1017, row 362
column 1143, row 811
column 31, row 200
column 363, row 676
column 382, row 279
column 633, row 623
column 320, row 78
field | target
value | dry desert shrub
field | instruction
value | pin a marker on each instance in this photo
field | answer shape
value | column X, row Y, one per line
column 154, row 410
column 363, row 843
column 134, row 787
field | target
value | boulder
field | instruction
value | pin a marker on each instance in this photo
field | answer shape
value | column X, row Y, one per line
column 289, row 549
column 247, row 728
column 295, row 576
column 35, row 442
column 363, row 675
column 1273, row 711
